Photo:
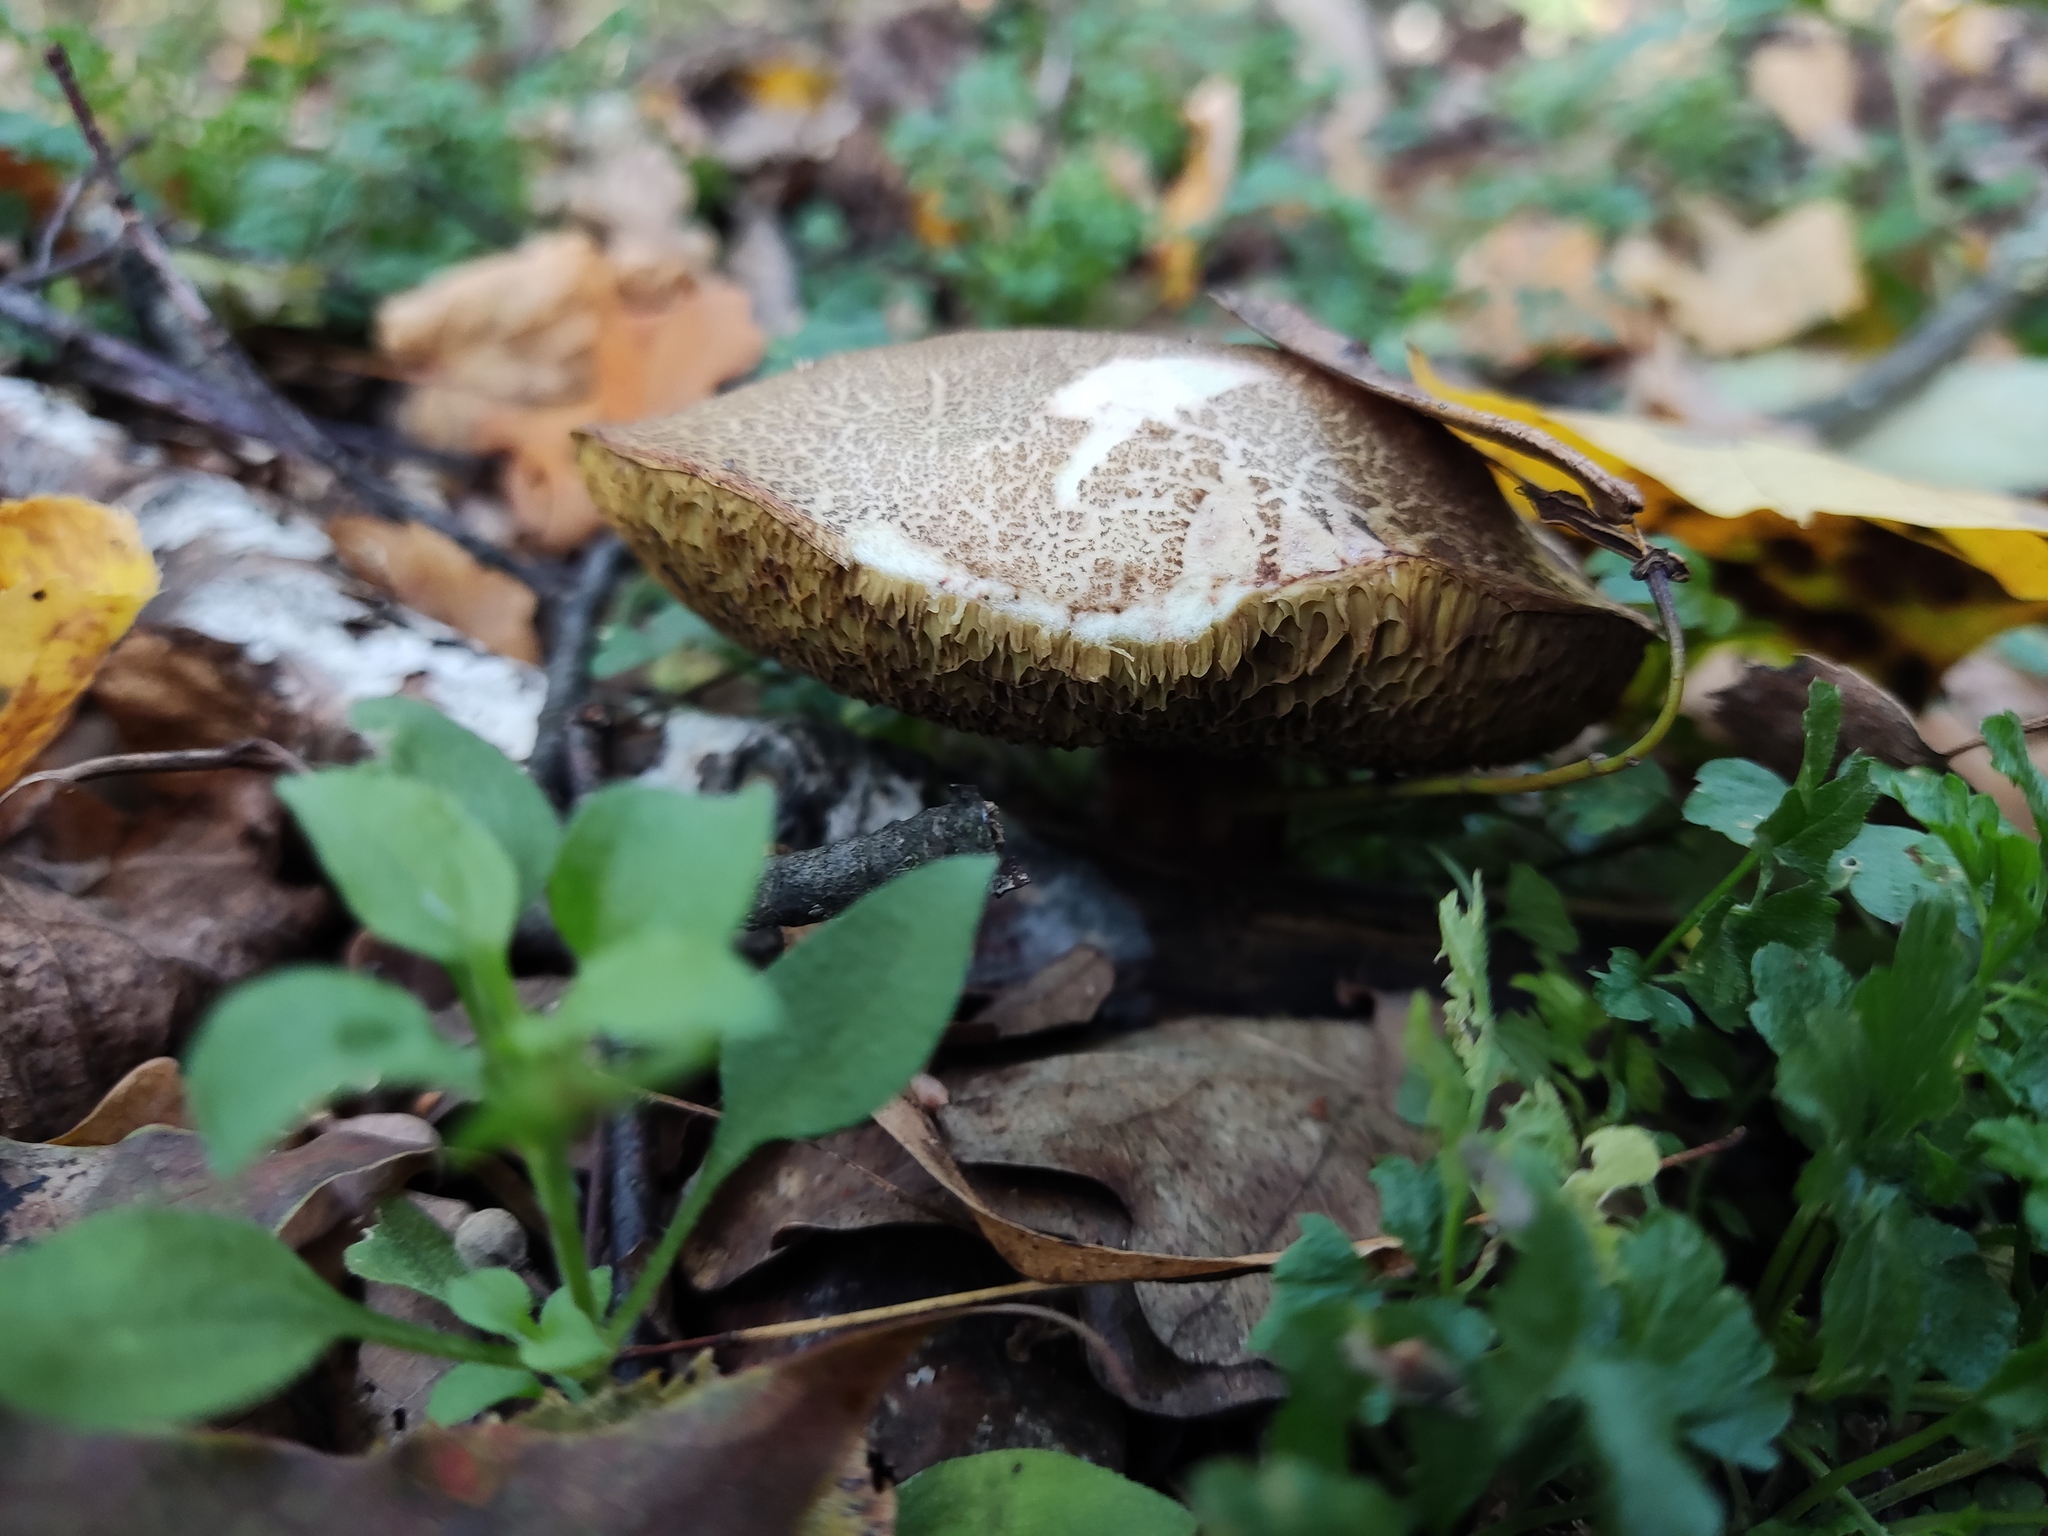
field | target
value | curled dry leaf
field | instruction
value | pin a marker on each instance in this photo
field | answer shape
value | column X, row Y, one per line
column 115, row 930
column 1761, row 711
column 509, row 352
column 1069, row 990
column 73, row 575
column 431, row 573
column 301, row 1194
column 152, row 1094
column 1539, row 288
column 1752, row 288
column 744, row 1456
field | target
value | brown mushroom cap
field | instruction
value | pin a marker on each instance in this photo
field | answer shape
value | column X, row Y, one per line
column 1072, row 537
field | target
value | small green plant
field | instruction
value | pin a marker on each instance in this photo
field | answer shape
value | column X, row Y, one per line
column 1584, row 1352
column 141, row 1316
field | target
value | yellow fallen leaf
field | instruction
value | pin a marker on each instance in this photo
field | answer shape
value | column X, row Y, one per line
column 1826, row 537
column 73, row 575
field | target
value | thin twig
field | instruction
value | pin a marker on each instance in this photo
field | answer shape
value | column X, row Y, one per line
column 2018, row 270
column 53, row 227
column 804, row 1327
column 254, row 752
column 286, row 425
column 574, row 635
column 2031, row 727
column 50, row 271
column 1692, row 1154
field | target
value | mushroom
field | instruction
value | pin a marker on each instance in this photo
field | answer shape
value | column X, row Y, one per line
column 1073, row 538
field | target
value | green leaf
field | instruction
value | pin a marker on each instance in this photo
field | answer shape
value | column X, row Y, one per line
column 2007, row 740
column 567, row 1343
column 865, row 999
column 1626, row 993
column 1918, row 1012
column 674, row 992
column 1823, row 725
column 2015, row 1145
column 1791, row 987
column 494, row 1300
column 1536, row 911
column 1734, row 797
column 472, row 1387
column 1286, row 1496
column 142, row 1316
column 1549, row 1301
column 1651, row 1481
column 1411, row 1206
column 1968, row 1319
column 407, row 1247
column 415, row 867
column 1319, row 1294
column 1718, row 972
column 1032, row 1493
column 636, row 860
column 1888, row 869
column 1827, row 820
column 1877, row 1295
column 417, row 741
column 2013, row 1401
column 276, row 1048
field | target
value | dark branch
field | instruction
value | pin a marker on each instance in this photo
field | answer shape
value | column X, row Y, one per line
column 799, row 888
column 552, row 762
column 228, row 369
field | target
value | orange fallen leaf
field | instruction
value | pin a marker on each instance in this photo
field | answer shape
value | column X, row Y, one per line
column 1214, row 113
column 151, row 1094
column 73, row 576
column 1540, row 291
column 438, row 577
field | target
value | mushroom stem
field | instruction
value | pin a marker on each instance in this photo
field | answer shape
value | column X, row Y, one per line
column 1656, row 573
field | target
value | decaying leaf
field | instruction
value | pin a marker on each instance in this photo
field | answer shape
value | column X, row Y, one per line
column 1761, row 711
column 1214, row 113
column 1215, row 1134
column 301, row 1193
column 73, row 575
column 1067, row 991
column 430, row 572
column 744, row 1456
column 1539, row 288
column 116, row 929
column 152, row 1094
column 1751, row 288
column 509, row 352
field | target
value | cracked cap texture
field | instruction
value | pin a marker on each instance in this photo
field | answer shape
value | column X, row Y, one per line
column 1078, row 537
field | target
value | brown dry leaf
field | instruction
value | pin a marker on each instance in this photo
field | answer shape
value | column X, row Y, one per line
column 301, row 1194
column 1760, row 711
column 116, row 930
column 1214, row 113
column 744, row 1456
column 1541, row 291
column 1068, row 991
column 73, row 576
column 1806, row 75
column 152, row 1094
column 1826, row 539
column 1751, row 288
column 1215, row 1134
column 430, row 572
column 1967, row 39
column 1039, row 1256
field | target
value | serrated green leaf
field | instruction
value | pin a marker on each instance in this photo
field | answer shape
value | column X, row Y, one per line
column 637, row 860
column 1734, row 797
column 2007, row 739
column 1411, row 1205
column 141, row 1316
column 1033, row 1493
column 472, row 1387
column 1830, row 816
column 1718, row 971
column 279, row 1047
column 1792, row 986
column 567, row 1342
column 1536, row 911
column 407, row 1247
column 494, row 1300
column 865, row 999
column 1652, row 1484
column 1626, row 993
column 416, row 740
column 415, row 867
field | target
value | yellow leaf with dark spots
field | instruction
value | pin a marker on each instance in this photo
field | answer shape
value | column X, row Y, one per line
column 73, row 575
